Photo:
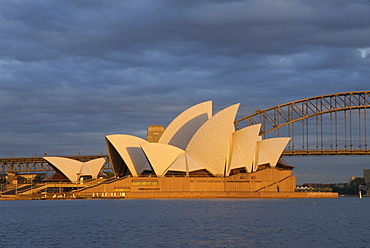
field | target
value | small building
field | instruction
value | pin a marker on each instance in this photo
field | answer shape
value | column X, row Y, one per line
column 367, row 176
column 154, row 133
column 32, row 177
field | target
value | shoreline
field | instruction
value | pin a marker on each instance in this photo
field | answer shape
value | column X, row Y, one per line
column 178, row 195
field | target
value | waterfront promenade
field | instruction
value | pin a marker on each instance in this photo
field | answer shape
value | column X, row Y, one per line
column 166, row 195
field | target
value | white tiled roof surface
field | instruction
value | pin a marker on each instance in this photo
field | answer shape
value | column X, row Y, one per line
column 210, row 144
column 161, row 156
column 130, row 150
column 244, row 147
column 73, row 169
column 270, row 150
column 69, row 167
column 95, row 166
column 179, row 164
column 183, row 127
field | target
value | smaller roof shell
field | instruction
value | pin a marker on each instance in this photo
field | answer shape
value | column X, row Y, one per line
column 161, row 156
column 270, row 150
column 73, row 169
column 129, row 148
column 244, row 147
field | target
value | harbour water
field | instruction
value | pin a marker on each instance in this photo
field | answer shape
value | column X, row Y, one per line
column 342, row 222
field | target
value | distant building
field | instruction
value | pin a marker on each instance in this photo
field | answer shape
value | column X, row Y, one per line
column 154, row 133
column 367, row 176
column 351, row 179
column 318, row 185
column 34, row 177
column 15, row 178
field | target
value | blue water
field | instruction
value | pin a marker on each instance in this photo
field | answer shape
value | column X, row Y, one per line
column 342, row 222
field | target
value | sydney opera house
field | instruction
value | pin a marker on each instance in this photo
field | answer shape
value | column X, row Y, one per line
column 197, row 155
column 194, row 144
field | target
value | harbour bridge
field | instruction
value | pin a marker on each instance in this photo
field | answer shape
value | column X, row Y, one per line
column 334, row 124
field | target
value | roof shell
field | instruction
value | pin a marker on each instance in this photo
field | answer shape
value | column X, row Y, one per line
column 179, row 132
column 129, row 148
column 95, row 166
column 270, row 150
column 73, row 169
column 244, row 147
column 210, row 144
column 161, row 156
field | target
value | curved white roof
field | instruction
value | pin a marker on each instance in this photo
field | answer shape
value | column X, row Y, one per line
column 185, row 163
column 183, row 127
column 210, row 144
column 69, row 167
column 270, row 150
column 73, row 169
column 180, row 164
column 129, row 149
column 244, row 147
column 161, row 156
column 193, row 165
column 94, row 166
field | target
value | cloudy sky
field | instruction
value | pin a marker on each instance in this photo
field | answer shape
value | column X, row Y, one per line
column 75, row 71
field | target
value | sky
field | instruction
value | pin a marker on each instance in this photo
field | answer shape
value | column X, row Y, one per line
column 72, row 72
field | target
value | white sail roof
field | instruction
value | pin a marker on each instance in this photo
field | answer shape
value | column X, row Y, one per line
column 95, row 166
column 183, row 127
column 180, row 164
column 210, row 144
column 193, row 165
column 161, row 156
column 244, row 147
column 73, row 169
column 270, row 150
column 129, row 148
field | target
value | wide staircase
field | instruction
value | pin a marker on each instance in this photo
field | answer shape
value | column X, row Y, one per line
column 105, row 181
column 264, row 187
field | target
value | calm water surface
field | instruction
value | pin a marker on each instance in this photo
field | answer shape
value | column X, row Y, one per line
column 343, row 222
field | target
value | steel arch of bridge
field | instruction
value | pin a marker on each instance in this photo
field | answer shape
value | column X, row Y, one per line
column 334, row 124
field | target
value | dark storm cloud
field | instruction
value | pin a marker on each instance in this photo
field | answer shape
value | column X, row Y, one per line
column 75, row 71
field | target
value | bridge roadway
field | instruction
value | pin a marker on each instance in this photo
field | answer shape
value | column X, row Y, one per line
column 325, row 152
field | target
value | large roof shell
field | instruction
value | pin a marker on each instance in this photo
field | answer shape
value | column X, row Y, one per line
column 161, row 156
column 129, row 148
column 184, row 126
column 244, row 147
column 210, row 144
